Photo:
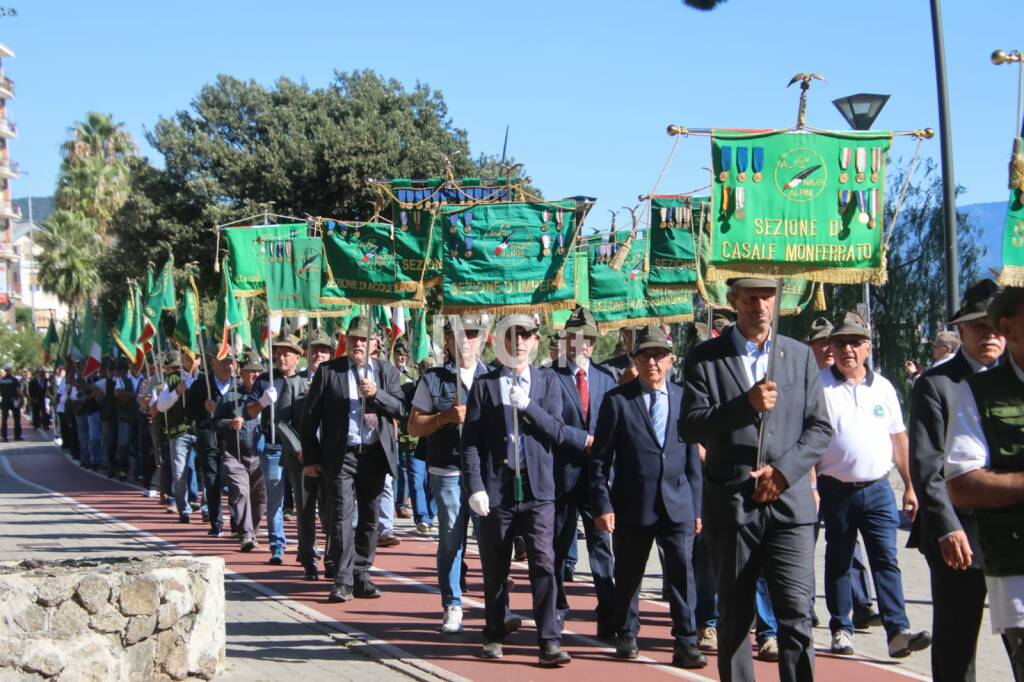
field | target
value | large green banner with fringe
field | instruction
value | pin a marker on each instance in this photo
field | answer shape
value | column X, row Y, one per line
column 293, row 269
column 618, row 287
column 799, row 204
column 379, row 263
column 1013, row 241
column 509, row 258
column 247, row 248
column 673, row 258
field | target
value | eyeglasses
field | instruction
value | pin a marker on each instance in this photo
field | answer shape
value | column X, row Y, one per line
column 524, row 333
column 657, row 356
column 843, row 343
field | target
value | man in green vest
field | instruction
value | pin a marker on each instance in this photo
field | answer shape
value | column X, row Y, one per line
column 985, row 471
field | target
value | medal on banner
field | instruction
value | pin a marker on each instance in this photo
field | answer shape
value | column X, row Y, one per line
column 725, row 199
column 559, row 220
column 355, row 231
column 545, row 242
column 726, row 163
column 467, row 220
column 403, row 218
column 876, row 163
column 862, row 162
column 467, row 244
column 602, row 252
column 874, row 208
column 416, row 218
column 663, row 217
column 741, row 163
column 288, row 251
column 687, row 214
column 844, row 201
column 677, row 216
column 330, row 227
column 862, row 207
column 454, row 220
column 454, row 247
column 560, row 238
column 544, row 216
column 741, row 203
column 844, row 163
column 757, row 163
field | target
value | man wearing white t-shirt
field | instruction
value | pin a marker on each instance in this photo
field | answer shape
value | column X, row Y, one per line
column 869, row 436
column 985, row 471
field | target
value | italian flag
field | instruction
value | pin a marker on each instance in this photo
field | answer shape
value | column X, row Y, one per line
column 397, row 323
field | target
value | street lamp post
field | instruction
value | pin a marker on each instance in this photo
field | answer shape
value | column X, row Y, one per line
column 860, row 111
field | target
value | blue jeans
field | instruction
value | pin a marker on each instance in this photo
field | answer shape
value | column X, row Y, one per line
column 182, row 470
column 403, row 491
column 386, row 513
column 128, row 446
column 872, row 511
column 82, row 430
column 706, row 610
column 96, row 440
column 765, row 625
column 424, row 508
column 452, row 520
column 273, row 474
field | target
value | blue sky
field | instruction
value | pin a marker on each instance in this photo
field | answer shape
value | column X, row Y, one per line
column 587, row 87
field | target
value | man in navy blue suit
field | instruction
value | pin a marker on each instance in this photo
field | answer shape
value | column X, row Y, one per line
column 654, row 494
column 583, row 385
column 507, row 468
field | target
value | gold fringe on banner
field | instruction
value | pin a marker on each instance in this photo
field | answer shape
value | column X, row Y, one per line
column 499, row 310
column 615, row 325
column 341, row 300
column 877, row 276
column 820, row 304
column 1011, row 276
column 249, row 293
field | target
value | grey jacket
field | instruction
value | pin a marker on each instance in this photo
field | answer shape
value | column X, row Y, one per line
column 717, row 414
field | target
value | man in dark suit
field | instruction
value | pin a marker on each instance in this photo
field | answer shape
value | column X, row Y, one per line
column 583, row 385
column 349, row 438
column 512, row 426
column 948, row 535
column 758, row 519
column 655, row 493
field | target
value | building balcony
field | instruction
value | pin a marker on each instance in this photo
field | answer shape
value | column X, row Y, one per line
column 6, row 51
column 8, row 169
column 6, row 88
column 9, row 252
column 8, row 212
column 7, row 128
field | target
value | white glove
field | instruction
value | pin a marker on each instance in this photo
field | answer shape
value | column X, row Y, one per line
column 479, row 503
column 269, row 397
column 517, row 396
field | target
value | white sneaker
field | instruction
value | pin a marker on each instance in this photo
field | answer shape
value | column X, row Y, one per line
column 452, row 622
column 149, row 492
column 842, row 643
column 906, row 641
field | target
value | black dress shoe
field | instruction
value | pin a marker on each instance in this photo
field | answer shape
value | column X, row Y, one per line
column 518, row 549
column 339, row 595
column 626, row 647
column 865, row 616
column 491, row 650
column 366, row 590
column 552, row 656
column 688, row 656
column 312, row 572
column 184, row 518
column 512, row 624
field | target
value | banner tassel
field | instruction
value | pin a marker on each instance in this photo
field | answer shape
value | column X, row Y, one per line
column 819, row 298
column 1017, row 165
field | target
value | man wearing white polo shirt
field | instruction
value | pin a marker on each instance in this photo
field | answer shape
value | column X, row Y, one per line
column 869, row 436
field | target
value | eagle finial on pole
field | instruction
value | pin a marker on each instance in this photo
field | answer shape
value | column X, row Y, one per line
column 805, row 84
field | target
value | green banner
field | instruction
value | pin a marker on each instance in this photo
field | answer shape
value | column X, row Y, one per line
column 247, row 246
column 800, row 204
column 378, row 263
column 292, row 270
column 674, row 221
column 509, row 258
column 797, row 294
column 621, row 297
column 186, row 328
column 1013, row 242
column 160, row 292
column 127, row 327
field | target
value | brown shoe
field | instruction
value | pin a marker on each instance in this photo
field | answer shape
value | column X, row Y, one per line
column 403, row 513
column 387, row 541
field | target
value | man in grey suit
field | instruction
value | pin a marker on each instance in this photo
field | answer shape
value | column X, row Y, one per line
column 948, row 535
column 758, row 520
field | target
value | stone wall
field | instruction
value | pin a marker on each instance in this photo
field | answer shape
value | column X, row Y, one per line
column 115, row 619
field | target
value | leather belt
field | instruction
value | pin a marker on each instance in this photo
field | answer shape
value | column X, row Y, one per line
column 850, row 484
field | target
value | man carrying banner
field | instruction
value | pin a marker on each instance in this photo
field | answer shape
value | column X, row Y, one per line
column 654, row 492
column 178, row 430
column 583, row 386
column 353, row 454
column 946, row 534
column 758, row 520
column 285, row 391
column 985, row 471
column 511, row 466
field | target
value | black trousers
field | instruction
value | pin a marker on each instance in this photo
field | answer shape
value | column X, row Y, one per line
column 958, row 603
column 208, row 456
column 309, row 495
column 632, row 548
column 15, row 412
column 784, row 554
column 599, row 551
column 355, row 481
column 40, row 417
column 534, row 520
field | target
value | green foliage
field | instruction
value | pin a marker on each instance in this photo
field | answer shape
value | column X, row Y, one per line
column 69, row 256
column 21, row 346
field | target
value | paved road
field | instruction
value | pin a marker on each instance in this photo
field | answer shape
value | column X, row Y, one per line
column 268, row 636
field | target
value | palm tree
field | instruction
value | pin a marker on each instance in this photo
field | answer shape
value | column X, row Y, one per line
column 69, row 257
column 98, row 136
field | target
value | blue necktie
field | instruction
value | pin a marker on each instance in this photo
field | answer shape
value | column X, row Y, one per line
column 658, row 416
